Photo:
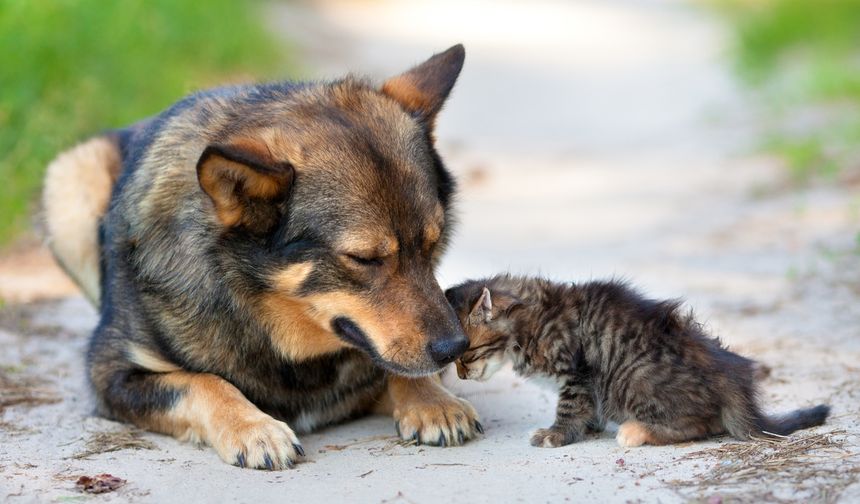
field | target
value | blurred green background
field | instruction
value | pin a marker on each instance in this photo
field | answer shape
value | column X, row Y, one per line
column 804, row 57
column 71, row 68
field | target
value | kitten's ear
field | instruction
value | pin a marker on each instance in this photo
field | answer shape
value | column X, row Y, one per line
column 482, row 310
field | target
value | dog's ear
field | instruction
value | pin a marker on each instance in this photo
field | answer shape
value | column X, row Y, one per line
column 247, row 187
column 422, row 90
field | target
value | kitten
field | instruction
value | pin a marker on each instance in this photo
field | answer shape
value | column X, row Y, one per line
column 616, row 356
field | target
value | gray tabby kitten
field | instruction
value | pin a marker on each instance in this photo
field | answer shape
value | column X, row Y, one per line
column 616, row 356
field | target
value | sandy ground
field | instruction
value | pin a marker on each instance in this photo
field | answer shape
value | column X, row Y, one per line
column 591, row 139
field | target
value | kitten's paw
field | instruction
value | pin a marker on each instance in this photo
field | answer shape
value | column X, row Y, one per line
column 442, row 421
column 258, row 443
column 551, row 438
column 632, row 433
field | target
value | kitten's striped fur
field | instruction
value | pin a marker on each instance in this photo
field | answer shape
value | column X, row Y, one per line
column 619, row 357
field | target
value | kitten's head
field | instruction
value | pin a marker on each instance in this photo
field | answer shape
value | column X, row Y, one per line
column 485, row 316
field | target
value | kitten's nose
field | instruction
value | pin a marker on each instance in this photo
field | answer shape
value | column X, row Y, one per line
column 445, row 350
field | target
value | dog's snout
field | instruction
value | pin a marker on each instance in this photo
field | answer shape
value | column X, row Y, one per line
column 445, row 350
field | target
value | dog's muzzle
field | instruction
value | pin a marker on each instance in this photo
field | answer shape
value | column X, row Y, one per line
column 445, row 350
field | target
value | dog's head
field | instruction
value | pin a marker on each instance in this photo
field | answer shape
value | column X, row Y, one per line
column 334, row 208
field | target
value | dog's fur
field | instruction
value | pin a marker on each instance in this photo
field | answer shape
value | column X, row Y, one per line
column 264, row 263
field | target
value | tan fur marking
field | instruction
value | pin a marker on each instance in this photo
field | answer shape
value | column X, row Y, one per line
column 383, row 327
column 633, row 433
column 404, row 90
column 291, row 278
column 148, row 359
column 213, row 411
column 432, row 232
column 77, row 190
column 300, row 327
column 332, row 304
column 219, row 177
column 280, row 147
column 253, row 146
column 370, row 243
column 295, row 333
column 423, row 406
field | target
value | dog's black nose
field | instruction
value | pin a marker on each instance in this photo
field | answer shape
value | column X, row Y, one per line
column 446, row 350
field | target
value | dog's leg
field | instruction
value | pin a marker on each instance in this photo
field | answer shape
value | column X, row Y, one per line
column 201, row 407
column 425, row 412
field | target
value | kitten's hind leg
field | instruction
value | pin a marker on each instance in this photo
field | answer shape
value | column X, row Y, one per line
column 572, row 415
column 634, row 433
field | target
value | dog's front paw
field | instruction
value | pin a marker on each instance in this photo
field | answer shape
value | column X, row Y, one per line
column 442, row 421
column 260, row 442
column 632, row 433
column 552, row 438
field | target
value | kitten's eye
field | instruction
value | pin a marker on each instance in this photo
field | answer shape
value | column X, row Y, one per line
column 364, row 261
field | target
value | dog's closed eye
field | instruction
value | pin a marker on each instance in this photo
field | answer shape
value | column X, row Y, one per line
column 365, row 261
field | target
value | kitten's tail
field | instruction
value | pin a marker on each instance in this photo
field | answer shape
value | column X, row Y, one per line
column 784, row 425
column 745, row 422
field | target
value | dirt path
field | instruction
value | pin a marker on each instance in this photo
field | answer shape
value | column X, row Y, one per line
column 591, row 139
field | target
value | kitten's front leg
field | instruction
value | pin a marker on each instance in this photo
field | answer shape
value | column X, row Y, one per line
column 574, row 411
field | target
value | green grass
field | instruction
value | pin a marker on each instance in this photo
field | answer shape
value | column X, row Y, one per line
column 72, row 68
column 805, row 56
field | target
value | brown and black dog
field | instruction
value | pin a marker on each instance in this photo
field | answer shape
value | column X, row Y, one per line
column 263, row 259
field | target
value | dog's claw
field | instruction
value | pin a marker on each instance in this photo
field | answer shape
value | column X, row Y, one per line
column 240, row 459
column 299, row 449
column 479, row 427
column 268, row 461
column 436, row 418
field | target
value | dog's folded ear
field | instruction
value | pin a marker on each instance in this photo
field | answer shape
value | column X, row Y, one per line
column 247, row 187
column 422, row 90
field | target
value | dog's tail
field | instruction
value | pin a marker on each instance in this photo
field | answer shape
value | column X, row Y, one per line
column 77, row 190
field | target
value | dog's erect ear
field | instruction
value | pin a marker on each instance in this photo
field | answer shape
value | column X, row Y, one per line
column 482, row 310
column 248, row 188
column 422, row 90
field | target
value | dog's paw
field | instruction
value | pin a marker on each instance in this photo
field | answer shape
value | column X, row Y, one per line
column 443, row 421
column 632, row 433
column 258, row 443
column 551, row 438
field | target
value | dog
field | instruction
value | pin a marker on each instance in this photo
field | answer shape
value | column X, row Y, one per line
column 263, row 259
